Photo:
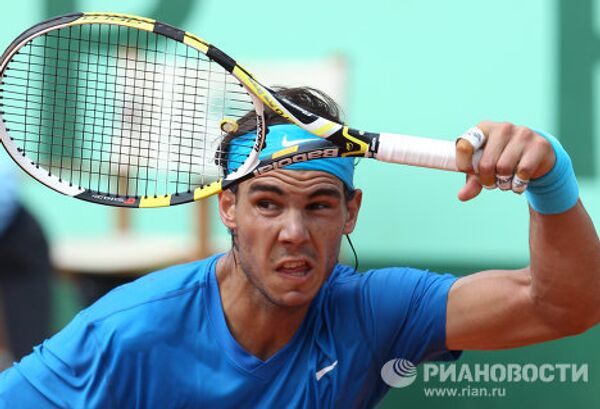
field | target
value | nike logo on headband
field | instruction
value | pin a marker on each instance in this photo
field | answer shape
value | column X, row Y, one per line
column 286, row 144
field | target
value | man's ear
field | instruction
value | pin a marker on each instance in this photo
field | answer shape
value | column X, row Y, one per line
column 227, row 209
column 352, row 208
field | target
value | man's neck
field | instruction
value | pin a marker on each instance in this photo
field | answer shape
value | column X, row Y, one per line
column 259, row 326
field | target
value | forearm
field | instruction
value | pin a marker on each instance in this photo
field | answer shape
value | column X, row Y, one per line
column 559, row 293
column 565, row 268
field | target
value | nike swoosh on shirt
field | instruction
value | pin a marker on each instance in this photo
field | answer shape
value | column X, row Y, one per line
column 286, row 144
column 320, row 373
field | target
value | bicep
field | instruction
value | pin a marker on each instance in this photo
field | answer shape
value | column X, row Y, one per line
column 495, row 310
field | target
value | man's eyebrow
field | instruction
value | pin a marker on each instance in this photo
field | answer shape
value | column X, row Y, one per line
column 326, row 192
column 263, row 187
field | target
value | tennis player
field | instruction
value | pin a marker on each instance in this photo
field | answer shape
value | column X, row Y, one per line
column 276, row 322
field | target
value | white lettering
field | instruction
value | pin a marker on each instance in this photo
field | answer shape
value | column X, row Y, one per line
column 498, row 373
column 482, row 373
column 530, row 373
column 448, row 372
column 581, row 372
column 544, row 376
column 563, row 371
column 514, row 373
column 431, row 370
column 465, row 374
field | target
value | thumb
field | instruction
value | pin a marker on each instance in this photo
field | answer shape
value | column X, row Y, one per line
column 471, row 188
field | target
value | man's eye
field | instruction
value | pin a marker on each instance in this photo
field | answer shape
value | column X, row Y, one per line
column 319, row 206
column 265, row 204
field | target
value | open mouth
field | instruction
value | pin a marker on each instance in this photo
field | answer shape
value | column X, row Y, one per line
column 294, row 268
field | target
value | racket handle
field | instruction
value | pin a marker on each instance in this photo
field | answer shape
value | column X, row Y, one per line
column 418, row 151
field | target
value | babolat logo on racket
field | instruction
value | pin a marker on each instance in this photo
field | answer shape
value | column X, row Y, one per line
column 112, row 199
column 114, row 17
column 301, row 157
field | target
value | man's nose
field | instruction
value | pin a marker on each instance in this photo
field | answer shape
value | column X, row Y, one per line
column 293, row 228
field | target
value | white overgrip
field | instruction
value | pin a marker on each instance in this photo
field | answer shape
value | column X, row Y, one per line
column 418, row 151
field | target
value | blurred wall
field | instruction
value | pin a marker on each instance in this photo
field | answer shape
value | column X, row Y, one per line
column 424, row 67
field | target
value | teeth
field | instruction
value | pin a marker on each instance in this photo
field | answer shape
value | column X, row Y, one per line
column 293, row 264
column 297, row 274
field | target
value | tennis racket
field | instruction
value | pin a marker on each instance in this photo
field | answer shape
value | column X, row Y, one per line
column 127, row 111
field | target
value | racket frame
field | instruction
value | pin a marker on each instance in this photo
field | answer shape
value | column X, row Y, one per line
column 338, row 140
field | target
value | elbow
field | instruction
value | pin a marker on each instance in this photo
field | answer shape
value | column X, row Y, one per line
column 569, row 322
column 574, row 326
column 569, row 318
column 569, row 306
column 589, row 317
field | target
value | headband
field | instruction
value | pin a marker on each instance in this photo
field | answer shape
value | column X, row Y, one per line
column 285, row 135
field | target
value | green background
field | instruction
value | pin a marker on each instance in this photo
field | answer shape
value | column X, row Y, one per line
column 425, row 67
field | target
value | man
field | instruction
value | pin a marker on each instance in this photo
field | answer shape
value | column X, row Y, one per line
column 276, row 322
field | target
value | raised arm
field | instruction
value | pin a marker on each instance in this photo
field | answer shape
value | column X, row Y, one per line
column 559, row 293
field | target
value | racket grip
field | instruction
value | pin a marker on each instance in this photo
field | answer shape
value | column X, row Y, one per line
column 418, row 151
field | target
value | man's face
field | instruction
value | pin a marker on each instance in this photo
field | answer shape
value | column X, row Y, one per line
column 288, row 227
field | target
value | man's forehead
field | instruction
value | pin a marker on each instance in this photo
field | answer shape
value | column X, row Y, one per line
column 290, row 180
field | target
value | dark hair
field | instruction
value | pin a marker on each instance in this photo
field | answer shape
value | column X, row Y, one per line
column 311, row 99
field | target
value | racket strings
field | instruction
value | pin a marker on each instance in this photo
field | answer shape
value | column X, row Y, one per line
column 73, row 119
column 120, row 111
column 99, row 83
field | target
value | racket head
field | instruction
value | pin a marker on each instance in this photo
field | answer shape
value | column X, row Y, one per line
column 98, row 113
column 123, row 110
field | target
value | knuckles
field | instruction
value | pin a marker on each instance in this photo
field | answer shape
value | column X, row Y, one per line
column 524, row 172
column 519, row 135
column 506, row 129
column 524, row 134
column 510, row 132
column 487, row 167
column 504, row 168
column 542, row 143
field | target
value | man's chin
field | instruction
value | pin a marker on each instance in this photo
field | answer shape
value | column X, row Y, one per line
column 295, row 300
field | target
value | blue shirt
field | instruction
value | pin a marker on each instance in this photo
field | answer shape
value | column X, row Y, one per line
column 163, row 342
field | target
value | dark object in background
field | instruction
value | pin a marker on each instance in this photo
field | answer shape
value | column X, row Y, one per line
column 25, row 275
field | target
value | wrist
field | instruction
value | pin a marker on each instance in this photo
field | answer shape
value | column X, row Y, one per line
column 557, row 191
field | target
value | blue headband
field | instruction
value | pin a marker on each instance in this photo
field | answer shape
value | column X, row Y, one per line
column 286, row 135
